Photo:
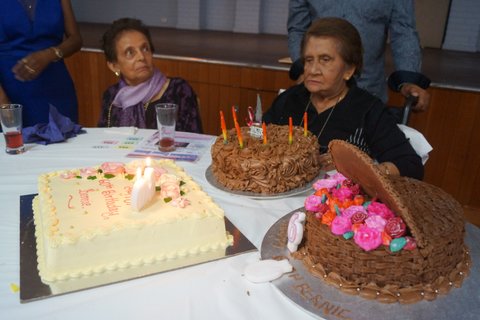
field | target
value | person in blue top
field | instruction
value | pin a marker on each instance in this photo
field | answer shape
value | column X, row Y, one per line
column 35, row 36
column 376, row 21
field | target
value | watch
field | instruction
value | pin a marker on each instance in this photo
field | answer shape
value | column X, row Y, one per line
column 58, row 53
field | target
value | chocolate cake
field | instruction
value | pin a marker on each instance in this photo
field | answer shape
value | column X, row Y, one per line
column 270, row 168
column 434, row 220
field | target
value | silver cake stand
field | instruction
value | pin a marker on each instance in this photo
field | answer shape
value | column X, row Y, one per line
column 318, row 298
column 32, row 288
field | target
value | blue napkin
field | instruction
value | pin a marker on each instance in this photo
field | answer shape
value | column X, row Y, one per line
column 59, row 128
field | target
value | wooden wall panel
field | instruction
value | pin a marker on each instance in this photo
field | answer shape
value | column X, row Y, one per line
column 449, row 124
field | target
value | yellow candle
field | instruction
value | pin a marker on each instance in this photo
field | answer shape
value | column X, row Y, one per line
column 264, row 129
column 305, row 124
column 290, row 130
column 223, row 126
column 239, row 135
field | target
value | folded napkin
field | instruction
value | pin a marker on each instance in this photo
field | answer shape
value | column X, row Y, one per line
column 59, row 128
column 418, row 142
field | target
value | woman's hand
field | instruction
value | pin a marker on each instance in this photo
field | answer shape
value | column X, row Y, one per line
column 409, row 89
column 388, row 169
column 31, row 66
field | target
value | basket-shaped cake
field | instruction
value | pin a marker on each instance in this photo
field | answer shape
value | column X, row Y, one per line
column 434, row 219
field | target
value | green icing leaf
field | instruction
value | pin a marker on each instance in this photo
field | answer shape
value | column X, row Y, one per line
column 129, row 176
column 92, row 177
column 167, row 199
column 109, row 175
column 182, row 193
column 157, row 188
column 182, row 183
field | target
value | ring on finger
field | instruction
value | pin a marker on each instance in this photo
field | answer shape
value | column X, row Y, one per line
column 29, row 69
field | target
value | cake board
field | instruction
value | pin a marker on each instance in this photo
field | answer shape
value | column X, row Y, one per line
column 319, row 298
column 32, row 288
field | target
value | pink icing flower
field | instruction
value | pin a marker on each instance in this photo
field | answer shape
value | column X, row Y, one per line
column 325, row 183
column 380, row 209
column 342, row 194
column 341, row 225
column 158, row 171
column 367, row 238
column 338, row 177
column 180, row 202
column 376, row 222
column 113, row 167
column 411, row 243
column 170, row 189
column 350, row 211
column 88, row 172
column 313, row 203
column 68, row 175
column 395, row 227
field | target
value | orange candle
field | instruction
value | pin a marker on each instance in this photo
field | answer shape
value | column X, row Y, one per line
column 305, row 124
column 239, row 134
column 224, row 126
column 290, row 130
column 234, row 114
column 264, row 129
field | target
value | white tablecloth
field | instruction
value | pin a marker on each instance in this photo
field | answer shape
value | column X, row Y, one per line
column 215, row 290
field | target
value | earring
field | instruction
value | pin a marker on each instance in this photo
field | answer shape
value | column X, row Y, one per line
column 117, row 73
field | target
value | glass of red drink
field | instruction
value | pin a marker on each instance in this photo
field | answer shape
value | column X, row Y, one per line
column 11, row 120
column 166, row 119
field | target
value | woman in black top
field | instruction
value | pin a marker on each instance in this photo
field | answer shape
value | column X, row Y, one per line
column 336, row 108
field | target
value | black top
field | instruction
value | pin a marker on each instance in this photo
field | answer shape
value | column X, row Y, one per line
column 360, row 118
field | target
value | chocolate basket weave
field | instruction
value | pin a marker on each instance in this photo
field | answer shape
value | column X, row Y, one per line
column 435, row 220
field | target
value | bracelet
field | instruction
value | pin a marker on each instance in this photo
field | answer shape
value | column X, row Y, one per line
column 58, row 53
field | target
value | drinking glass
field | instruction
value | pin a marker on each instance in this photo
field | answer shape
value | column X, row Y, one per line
column 166, row 119
column 11, row 120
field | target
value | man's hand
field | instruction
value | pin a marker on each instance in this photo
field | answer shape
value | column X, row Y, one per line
column 409, row 89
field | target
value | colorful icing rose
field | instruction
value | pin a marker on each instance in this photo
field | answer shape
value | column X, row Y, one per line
column 338, row 177
column 355, row 189
column 411, row 243
column 376, row 222
column 395, row 227
column 113, row 167
column 313, row 203
column 328, row 217
column 367, row 238
column 359, row 216
column 380, row 209
column 342, row 194
column 350, row 211
column 341, row 225
column 170, row 189
column 325, row 184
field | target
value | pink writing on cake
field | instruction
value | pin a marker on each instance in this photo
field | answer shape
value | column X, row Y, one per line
column 110, row 202
column 105, row 183
column 84, row 198
column 128, row 195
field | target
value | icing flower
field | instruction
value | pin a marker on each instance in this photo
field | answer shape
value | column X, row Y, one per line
column 395, row 227
column 328, row 217
column 170, row 189
column 314, row 203
column 67, row 175
column 88, row 172
column 350, row 211
column 113, row 167
column 411, row 244
column 180, row 202
column 359, row 216
column 367, row 238
column 341, row 225
column 342, row 194
column 339, row 177
column 325, row 184
column 380, row 209
column 376, row 222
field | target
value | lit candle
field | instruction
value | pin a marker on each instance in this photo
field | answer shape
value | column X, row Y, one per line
column 264, row 129
column 305, row 124
column 239, row 135
column 223, row 126
column 234, row 114
column 143, row 189
column 290, row 130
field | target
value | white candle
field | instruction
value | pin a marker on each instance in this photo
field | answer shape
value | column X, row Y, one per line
column 143, row 190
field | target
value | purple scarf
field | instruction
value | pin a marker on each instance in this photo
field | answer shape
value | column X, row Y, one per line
column 129, row 96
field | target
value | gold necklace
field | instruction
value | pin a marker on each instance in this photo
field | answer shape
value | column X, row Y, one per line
column 340, row 97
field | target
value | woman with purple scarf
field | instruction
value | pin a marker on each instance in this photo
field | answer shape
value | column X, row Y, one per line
column 131, row 102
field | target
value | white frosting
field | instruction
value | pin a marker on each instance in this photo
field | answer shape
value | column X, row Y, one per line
column 295, row 230
column 87, row 227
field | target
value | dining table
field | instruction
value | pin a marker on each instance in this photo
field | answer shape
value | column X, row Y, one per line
column 217, row 289
column 212, row 290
